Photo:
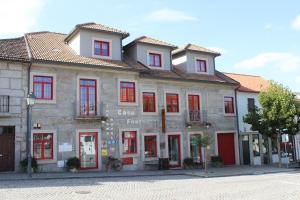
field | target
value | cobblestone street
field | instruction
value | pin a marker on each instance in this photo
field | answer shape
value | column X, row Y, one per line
column 260, row 187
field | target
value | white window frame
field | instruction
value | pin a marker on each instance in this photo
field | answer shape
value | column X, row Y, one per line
column 195, row 65
column 78, row 93
column 179, row 102
column 200, row 105
column 161, row 56
column 157, row 146
column 234, row 106
column 136, row 93
column 137, row 145
column 46, row 101
column 54, row 133
column 152, row 90
column 98, row 131
column 103, row 40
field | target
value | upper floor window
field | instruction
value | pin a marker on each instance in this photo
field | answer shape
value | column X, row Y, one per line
column 88, row 95
column 201, row 66
column 127, row 92
column 251, row 104
column 149, row 102
column 129, row 142
column 43, row 87
column 155, row 60
column 172, row 102
column 229, row 105
column 43, row 146
column 194, row 107
column 101, row 48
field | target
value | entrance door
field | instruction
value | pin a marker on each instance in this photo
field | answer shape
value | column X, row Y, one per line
column 174, row 150
column 88, row 150
column 226, row 148
column 7, row 148
column 246, row 151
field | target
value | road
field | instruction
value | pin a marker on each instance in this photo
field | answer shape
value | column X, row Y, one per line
column 254, row 187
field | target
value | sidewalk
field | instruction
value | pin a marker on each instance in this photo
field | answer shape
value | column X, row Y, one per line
column 212, row 172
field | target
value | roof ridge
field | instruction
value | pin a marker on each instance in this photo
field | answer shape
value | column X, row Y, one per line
column 41, row 32
column 83, row 24
column 242, row 74
column 16, row 38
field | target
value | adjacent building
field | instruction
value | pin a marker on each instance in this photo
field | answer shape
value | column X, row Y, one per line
column 95, row 97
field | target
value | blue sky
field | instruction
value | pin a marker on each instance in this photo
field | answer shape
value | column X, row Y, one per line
column 254, row 37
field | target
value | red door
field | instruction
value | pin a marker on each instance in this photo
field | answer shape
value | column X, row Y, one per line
column 226, row 148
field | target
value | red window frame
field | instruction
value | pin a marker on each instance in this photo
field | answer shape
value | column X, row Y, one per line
column 43, row 83
column 101, row 52
column 172, row 102
column 87, row 96
column 42, row 142
column 127, row 92
column 199, row 66
column 131, row 140
column 153, row 60
column 229, row 105
column 151, row 144
column 194, row 107
column 149, row 102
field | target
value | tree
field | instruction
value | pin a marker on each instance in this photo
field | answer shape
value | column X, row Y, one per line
column 279, row 113
column 205, row 141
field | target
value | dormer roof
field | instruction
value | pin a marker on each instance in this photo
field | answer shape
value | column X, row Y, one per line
column 92, row 26
column 193, row 47
column 152, row 41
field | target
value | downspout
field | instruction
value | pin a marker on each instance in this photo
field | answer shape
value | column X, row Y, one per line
column 237, row 123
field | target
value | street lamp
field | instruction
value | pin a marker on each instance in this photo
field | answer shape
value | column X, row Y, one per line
column 30, row 102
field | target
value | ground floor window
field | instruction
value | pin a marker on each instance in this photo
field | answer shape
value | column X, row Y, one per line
column 195, row 147
column 150, row 146
column 129, row 142
column 43, row 146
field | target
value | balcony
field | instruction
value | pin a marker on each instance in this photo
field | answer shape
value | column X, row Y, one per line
column 195, row 116
column 87, row 113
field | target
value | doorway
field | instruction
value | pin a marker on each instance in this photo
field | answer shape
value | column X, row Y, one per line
column 226, row 148
column 7, row 148
column 174, row 151
column 246, row 149
column 88, row 150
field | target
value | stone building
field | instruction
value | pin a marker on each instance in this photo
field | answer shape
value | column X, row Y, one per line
column 95, row 97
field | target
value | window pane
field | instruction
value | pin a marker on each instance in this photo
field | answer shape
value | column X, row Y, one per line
column 83, row 100
column 47, row 91
column 92, row 101
column 129, row 142
column 97, row 48
column 47, row 150
column 37, row 90
column 150, row 146
column 37, row 150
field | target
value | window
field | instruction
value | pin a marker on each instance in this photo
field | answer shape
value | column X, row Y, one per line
column 194, row 107
column 201, row 66
column 251, row 104
column 154, row 60
column 43, row 146
column 172, row 103
column 229, row 105
column 43, row 87
column 149, row 102
column 127, row 92
column 101, row 48
column 129, row 142
column 150, row 146
column 88, row 97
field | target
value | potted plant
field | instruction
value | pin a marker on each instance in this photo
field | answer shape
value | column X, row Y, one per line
column 34, row 165
column 188, row 163
column 73, row 164
column 216, row 161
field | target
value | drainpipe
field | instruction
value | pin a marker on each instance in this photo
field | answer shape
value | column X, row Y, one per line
column 237, row 123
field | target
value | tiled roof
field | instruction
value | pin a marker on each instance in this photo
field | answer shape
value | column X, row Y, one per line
column 193, row 47
column 14, row 49
column 149, row 40
column 50, row 47
column 249, row 83
column 95, row 27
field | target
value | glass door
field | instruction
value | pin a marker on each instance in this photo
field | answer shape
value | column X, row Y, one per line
column 174, row 150
column 195, row 148
column 88, row 150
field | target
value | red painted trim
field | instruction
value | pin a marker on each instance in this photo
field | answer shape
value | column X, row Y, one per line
column 96, row 150
column 128, row 90
column 179, row 149
column 199, row 64
column 43, row 83
column 101, row 53
column 170, row 98
column 226, row 148
column 151, row 143
column 87, row 96
column 149, row 98
column 152, row 57
column 42, row 142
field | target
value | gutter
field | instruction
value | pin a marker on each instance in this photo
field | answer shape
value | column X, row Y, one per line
column 237, row 123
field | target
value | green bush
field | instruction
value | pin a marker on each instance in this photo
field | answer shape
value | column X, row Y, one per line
column 216, row 161
column 34, row 164
column 73, row 163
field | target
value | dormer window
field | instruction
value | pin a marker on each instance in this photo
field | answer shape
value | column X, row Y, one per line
column 155, row 60
column 101, row 48
column 201, row 66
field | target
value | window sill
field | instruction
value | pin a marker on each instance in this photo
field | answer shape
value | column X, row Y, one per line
column 229, row 114
column 90, row 117
column 135, row 155
column 8, row 115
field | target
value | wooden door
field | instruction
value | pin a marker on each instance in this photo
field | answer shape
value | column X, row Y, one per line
column 7, row 148
column 226, row 148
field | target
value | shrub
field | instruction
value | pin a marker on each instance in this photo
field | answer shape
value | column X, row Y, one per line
column 188, row 162
column 216, row 161
column 34, row 164
column 73, row 163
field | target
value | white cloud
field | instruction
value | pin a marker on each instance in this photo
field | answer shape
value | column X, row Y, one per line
column 277, row 60
column 18, row 16
column 296, row 23
column 268, row 26
column 169, row 15
column 218, row 49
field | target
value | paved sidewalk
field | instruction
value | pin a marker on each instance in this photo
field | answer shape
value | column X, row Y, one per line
column 212, row 172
